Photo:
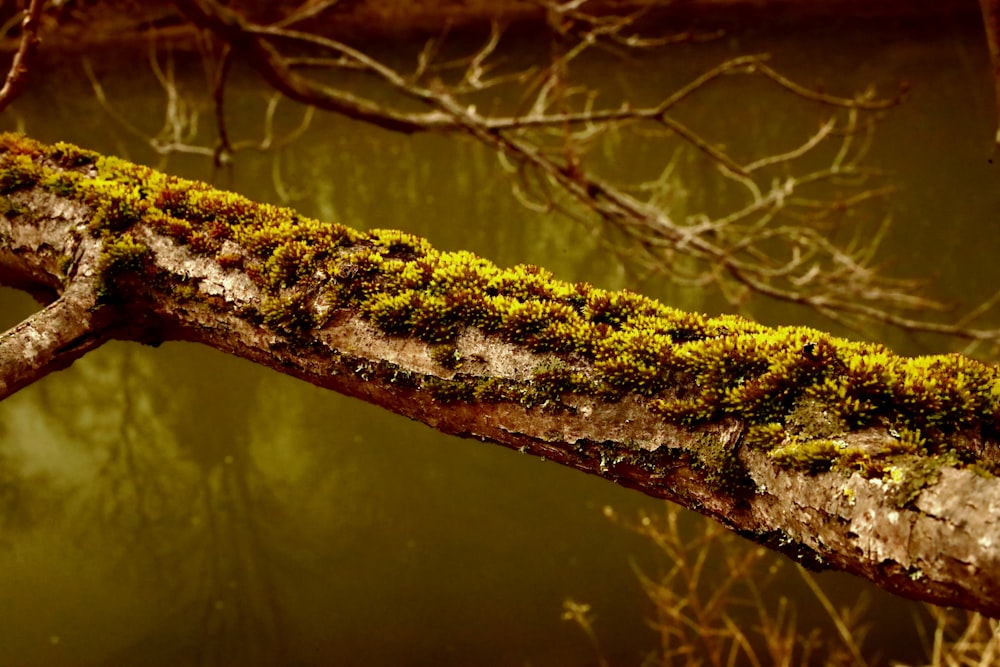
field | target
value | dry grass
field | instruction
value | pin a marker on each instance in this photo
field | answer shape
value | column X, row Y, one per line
column 961, row 639
column 715, row 606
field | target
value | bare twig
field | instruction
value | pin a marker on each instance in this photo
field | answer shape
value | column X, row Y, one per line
column 307, row 12
column 17, row 76
column 710, row 606
column 991, row 22
column 181, row 122
column 773, row 244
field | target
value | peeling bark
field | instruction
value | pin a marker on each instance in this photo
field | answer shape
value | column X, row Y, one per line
column 925, row 526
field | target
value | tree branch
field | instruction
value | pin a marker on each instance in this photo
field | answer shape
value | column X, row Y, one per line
column 51, row 339
column 18, row 73
column 233, row 29
column 990, row 10
column 836, row 453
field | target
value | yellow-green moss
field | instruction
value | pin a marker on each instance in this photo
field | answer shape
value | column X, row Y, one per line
column 20, row 171
column 552, row 380
column 10, row 208
column 288, row 314
column 817, row 455
column 499, row 390
column 120, row 256
column 908, row 476
column 446, row 355
column 690, row 368
column 764, row 436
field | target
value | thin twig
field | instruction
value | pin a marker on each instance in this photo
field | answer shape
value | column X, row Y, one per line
column 17, row 76
column 769, row 245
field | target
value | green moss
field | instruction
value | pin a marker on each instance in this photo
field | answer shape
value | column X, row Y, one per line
column 11, row 208
column 185, row 292
column 289, row 314
column 552, row 380
column 499, row 390
column 62, row 184
column 797, row 389
column 123, row 254
column 729, row 366
column 288, row 262
column 449, row 391
column 446, row 355
column 73, row 157
column 812, row 419
column 66, row 263
column 229, row 260
column 398, row 244
column 809, row 456
column 908, row 476
column 19, row 172
column 117, row 206
column 391, row 312
column 720, row 463
column 434, row 319
column 13, row 144
column 121, row 257
column 764, row 436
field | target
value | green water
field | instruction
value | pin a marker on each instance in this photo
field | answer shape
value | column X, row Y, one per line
column 175, row 506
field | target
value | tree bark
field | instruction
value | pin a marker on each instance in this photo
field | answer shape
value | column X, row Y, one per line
column 839, row 454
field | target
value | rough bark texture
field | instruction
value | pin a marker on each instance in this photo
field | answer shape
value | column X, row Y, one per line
column 121, row 251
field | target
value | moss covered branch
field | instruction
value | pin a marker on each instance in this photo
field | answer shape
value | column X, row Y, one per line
column 840, row 454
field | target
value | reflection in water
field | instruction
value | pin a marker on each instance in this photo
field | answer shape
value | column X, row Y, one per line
column 178, row 507
column 174, row 507
column 193, row 500
column 250, row 519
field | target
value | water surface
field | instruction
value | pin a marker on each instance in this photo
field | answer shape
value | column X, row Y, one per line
column 176, row 506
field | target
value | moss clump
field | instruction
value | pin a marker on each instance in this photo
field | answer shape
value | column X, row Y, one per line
column 908, row 477
column 73, row 157
column 61, row 184
column 446, row 355
column 552, row 380
column 20, row 171
column 14, row 144
column 287, row 263
column 290, row 314
column 230, row 260
column 120, row 257
column 634, row 360
column 499, row 390
column 764, row 436
column 117, row 206
column 10, row 208
column 811, row 455
column 398, row 244
column 449, row 391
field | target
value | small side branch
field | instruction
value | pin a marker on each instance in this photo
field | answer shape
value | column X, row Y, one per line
column 51, row 339
column 17, row 76
column 991, row 21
